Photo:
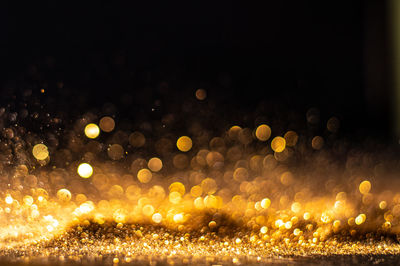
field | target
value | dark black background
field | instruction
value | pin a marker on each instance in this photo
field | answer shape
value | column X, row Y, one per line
column 300, row 54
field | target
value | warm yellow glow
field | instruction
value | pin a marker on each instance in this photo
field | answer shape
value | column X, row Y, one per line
column 382, row 204
column 175, row 197
column 196, row 191
column 184, row 143
column 85, row 170
column 157, row 218
column 64, row 195
column 365, row 187
column 263, row 132
column 148, row 210
column 278, row 144
column 360, row 219
column 144, row 175
column 92, row 131
column 9, row 199
column 40, row 152
column 107, row 124
column 265, row 203
column 178, row 218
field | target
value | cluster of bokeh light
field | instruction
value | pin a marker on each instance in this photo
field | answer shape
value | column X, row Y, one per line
column 247, row 192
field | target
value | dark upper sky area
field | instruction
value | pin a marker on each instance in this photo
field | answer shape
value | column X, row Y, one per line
column 300, row 53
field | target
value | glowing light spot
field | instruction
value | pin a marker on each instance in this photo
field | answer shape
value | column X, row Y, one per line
column 184, row 143
column 336, row 224
column 278, row 144
column 9, row 199
column 382, row 205
column 92, row 131
column 296, row 207
column 209, row 186
column 86, row 207
column 178, row 218
column 201, row 94
column 177, row 187
column 265, row 203
column 40, row 151
column 85, row 170
column 157, row 218
column 144, row 175
column 263, row 132
column 64, row 195
column 264, row 230
column 196, row 191
column 212, row 224
column 306, row 216
column 28, row 200
column 107, row 124
column 148, row 210
column 175, row 197
column 365, row 187
column 155, row 164
column 360, row 219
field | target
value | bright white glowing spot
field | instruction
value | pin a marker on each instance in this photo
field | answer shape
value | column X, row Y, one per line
column 157, row 218
column 9, row 199
column 178, row 218
column 85, row 170
column 92, row 131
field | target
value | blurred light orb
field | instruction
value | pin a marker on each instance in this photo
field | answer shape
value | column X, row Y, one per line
column 85, row 170
column 115, row 152
column 184, row 143
column 333, row 124
column 360, row 219
column 92, row 131
column 291, row 138
column 201, row 94
column 278, row 144
column 144, row 175
column 317, row 142
column 107, row 124
column 365, row 187
column 40, row 152
column 157, row 218
column 64, row 195
column 137, row 139
column 155, row 164
column 263, row 132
